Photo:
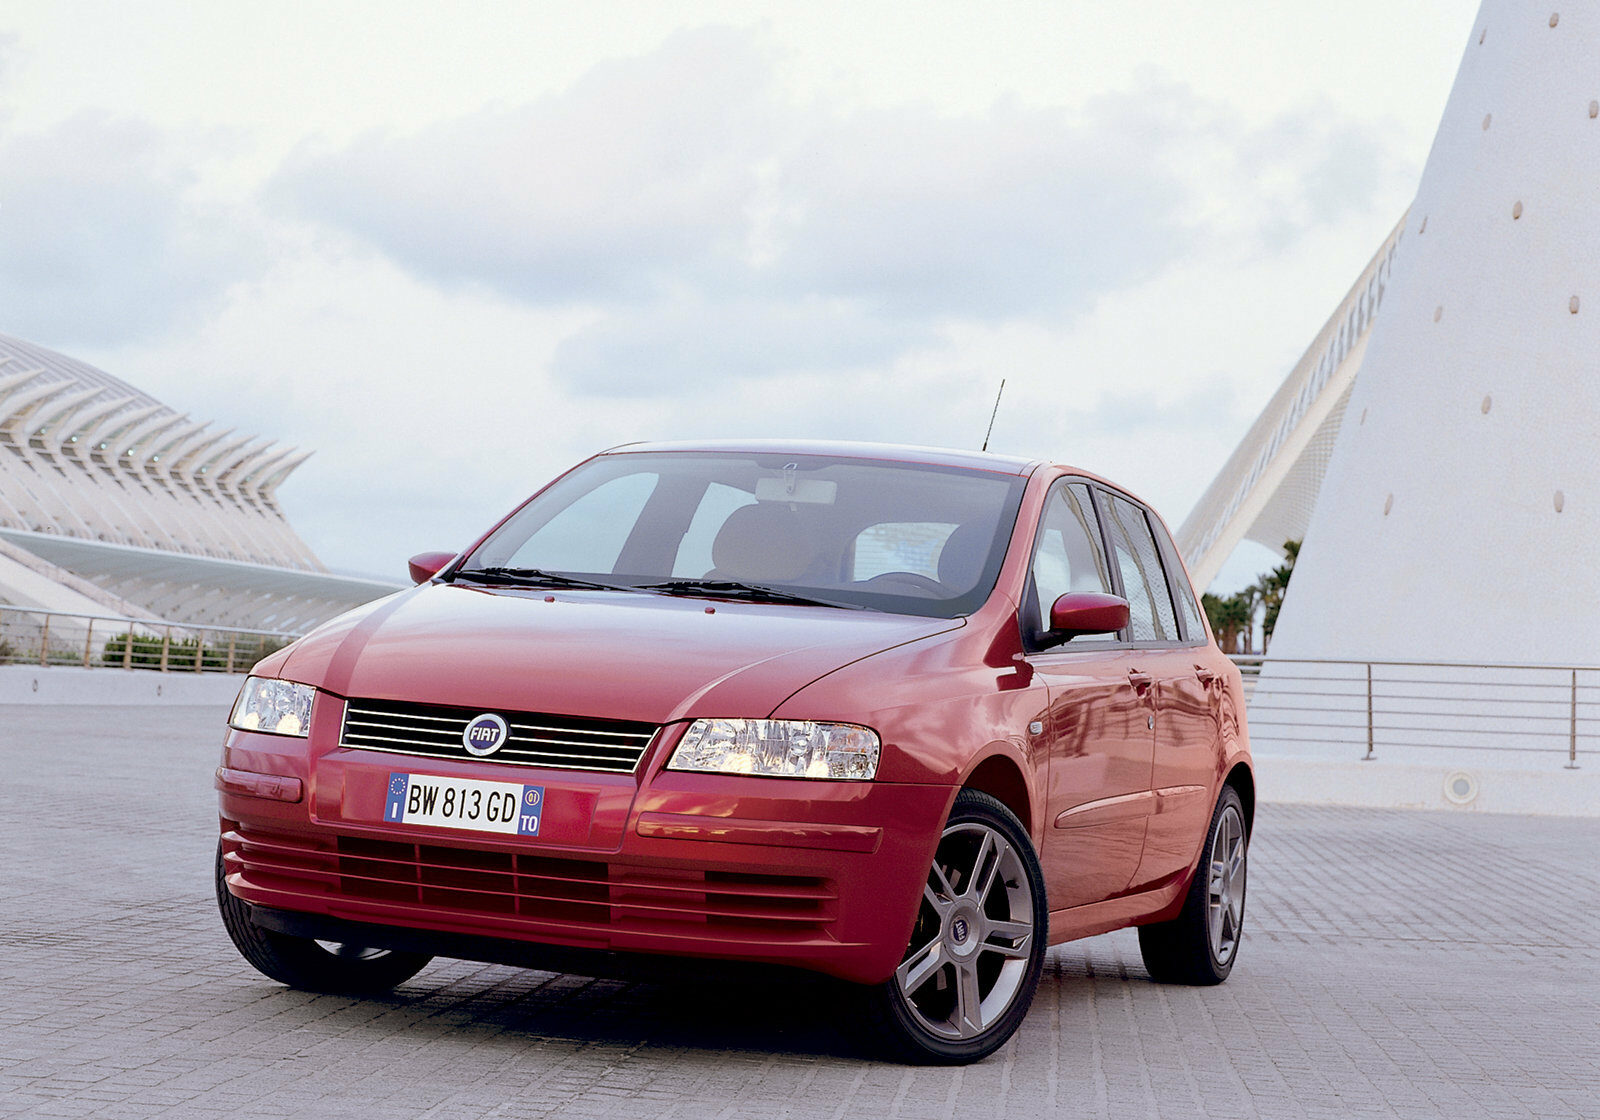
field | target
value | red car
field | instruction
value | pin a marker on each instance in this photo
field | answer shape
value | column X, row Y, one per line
column 900, row 716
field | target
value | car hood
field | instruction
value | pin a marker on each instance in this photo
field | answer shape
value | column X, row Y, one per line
column 625, row 656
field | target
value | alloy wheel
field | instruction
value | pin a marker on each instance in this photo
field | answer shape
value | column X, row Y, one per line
column 973, row 936
column 1226, row 885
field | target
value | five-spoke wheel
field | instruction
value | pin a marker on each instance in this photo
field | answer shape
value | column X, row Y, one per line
column 978, row 943
column 1225, row 886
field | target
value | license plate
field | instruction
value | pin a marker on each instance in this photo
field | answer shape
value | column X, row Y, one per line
column 464, row 803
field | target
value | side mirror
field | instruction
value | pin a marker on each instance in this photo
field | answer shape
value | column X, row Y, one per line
column 1087, row 612
column 425, row 565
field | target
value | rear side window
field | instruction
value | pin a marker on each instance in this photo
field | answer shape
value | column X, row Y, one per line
column 1144, row 580
column 900, row 546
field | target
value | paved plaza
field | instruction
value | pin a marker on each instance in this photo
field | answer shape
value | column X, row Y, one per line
column 1394, row 964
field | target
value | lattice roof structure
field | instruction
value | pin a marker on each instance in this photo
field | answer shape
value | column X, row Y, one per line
column 160, row 512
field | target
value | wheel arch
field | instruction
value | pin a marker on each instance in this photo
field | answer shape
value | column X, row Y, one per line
column 1244, row 784
column 1002, row 778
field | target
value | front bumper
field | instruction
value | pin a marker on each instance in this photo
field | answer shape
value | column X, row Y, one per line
column 820, row 875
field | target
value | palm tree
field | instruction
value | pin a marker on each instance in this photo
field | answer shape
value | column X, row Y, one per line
column 1230, row 619
column 1272, row 588
column 1233, row 619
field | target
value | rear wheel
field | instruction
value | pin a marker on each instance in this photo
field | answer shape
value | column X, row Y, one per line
column 970, row 972
column 316, row 966
column 1200, row 945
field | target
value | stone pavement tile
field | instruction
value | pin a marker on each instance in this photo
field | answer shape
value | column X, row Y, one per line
column 1394, row 964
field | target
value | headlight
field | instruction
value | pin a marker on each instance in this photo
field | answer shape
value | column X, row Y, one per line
column 277, row 707
column 779, row 748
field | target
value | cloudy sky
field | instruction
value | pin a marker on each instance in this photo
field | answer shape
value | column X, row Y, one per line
column 455, row 248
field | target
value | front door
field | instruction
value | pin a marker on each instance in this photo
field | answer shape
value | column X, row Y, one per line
column 1101, row 705
column 1099, row 725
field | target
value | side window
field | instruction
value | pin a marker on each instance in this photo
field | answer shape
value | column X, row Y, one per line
column 1068, row 555
column 589, row 534
column 1144, row 581
column 717, row 504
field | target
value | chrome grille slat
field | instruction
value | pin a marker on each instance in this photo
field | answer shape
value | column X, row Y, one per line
column 590, row 746
column 558, row 742
column 392, row 739
column 461, row 720
column 541, row 729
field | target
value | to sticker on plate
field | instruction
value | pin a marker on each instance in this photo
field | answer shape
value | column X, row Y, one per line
column 464, row 803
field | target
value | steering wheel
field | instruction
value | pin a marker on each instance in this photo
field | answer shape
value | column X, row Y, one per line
column 914, row 583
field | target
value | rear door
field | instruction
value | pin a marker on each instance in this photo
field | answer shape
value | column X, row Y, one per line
column 1173, row 642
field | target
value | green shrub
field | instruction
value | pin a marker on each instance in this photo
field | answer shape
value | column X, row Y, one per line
column 182, row 652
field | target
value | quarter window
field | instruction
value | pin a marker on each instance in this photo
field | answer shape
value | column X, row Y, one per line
column 1193, row 629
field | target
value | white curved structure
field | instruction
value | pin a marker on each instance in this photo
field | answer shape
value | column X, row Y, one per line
column 152, row 512
column 1267, row 489
column 1439, row 449
column 1461, row 509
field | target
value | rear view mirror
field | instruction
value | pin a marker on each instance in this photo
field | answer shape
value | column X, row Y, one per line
column 1087, row 612
column 425, row 565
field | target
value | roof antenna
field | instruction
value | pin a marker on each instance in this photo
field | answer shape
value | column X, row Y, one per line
column 993, row 414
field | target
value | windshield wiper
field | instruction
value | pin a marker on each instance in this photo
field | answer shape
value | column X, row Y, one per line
column 738, row 589
column 536, row 577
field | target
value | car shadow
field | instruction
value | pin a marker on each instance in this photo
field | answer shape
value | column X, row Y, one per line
column 750, row 1012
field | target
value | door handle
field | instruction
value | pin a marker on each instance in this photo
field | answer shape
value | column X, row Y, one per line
column 1139, row 680
column 1205, row 676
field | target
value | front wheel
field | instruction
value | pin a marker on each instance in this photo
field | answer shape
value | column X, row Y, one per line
column 1200, row 945
column 977, row 948
column 315, row 966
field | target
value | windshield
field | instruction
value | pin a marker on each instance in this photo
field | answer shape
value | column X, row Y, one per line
column 899, row 537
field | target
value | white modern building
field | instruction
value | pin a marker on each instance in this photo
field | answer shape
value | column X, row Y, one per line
column 1438, row 449
column 113, row 503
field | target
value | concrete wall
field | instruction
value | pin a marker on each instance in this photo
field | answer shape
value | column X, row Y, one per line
column 1449, row 786
column 23, row 684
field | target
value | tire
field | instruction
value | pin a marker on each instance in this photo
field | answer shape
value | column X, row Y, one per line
column 1200, row 945
column 314, row 966
column 977, row 945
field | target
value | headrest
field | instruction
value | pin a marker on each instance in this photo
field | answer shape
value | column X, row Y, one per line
column 762, row 542
column 962, row 558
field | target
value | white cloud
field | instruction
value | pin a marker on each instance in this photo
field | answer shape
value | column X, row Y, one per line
column 630, row 183
column 689, row 347
column 1017, row 213
column 99, row 240
column 499, row 244
column 684, row 169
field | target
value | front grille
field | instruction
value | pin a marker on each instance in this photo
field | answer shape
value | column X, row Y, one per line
column 582, row 896
column 561, row 742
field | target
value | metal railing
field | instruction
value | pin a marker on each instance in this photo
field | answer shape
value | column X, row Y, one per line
column 34, row 636
column 1379, row 707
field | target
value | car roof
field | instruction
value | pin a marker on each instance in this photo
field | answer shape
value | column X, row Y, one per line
column 939, row 456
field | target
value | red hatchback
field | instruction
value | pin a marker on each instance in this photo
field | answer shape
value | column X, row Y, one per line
column 904, row 717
